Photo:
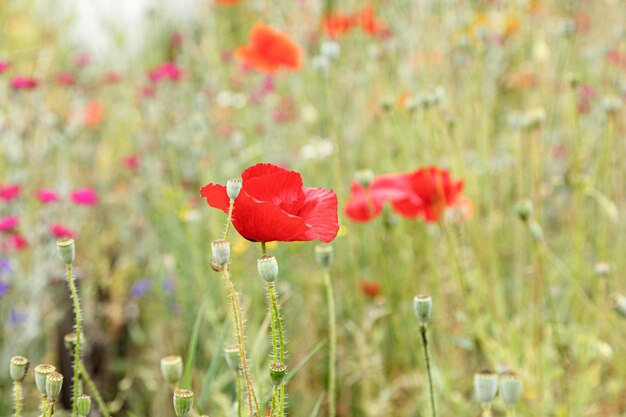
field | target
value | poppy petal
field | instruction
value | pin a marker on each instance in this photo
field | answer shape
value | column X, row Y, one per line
column 320, row 213
column 216, row 196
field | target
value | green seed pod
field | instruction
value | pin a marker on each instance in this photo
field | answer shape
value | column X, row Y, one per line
column 364, row 177
column 233, row 357
column 54, row 383
column 277, row 372
column 70, row 342
column 423, row 307
column 485, row 386
column 233, row 187
column 619, row 304
column 524, row 210
column 268, row 267
column 41, row 373
column 510, row 388
column 172, row 369
column 221, row 251
column 183, row 401
column 18, row 368
column 83, row 405
column 66, row 250
column 324, row 255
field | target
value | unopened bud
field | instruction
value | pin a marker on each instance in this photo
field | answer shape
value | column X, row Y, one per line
column 524, row 210
column 619, row 304
column 83, row 405
column 183, row 401
column 66, row 250
column 485, row 386
column 268, row 268
column 422, row 306
column 172, row 369
column 18, row 368
column 324, row 255
column 233, row 357
column 233, row 187
column 54, row 383
column 221, row 251
column 277, row 372
column 510, row 388
column 41, row 373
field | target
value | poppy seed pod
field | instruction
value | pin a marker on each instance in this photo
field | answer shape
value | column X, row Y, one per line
column 83, row 405
column 268, row 268
column 364, row 177
column 485, row 386
column 70, row 342
column 233, row 357
column 324, row 255
column 510, row 388
column 183, row 401
column 172, row 368
column 619, row 304
column 524, row 210
column 233, row 187
column 67, row 250
column 54, row 383
column 423, row 306
column 41, row 373
column 277, row 372
column 221, row 251
column 18, row 368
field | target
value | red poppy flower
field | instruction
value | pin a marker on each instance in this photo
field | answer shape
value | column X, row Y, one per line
column 369, row 23
column 273, row 205
column 336, row 25
column 268, row 50
column 370, row 288
column 367, row 203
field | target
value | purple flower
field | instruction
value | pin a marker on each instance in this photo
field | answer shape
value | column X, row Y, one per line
column 4, row 288
column 5, row 266
column 169, row 285
column 16, row 318
column 140, row 288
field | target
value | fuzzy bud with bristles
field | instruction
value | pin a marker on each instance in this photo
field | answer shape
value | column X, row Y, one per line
column 172, row 369
column 277, row 372
column 423, row 307
column 83, row 405
column 233, row 187
column 619, row 304
column 221, row 251
column 67, row 250
column 183, row 401
column 485, row 386
column 233, row 357
column 510, row 388
column 54, row 383
column 18, row 368
column 324, row 255
column 41, row 373
column 268, row 268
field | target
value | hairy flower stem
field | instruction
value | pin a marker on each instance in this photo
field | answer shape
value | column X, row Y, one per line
column 104, row 410
column 229, row 220
column 239, row 394
column 332, row 355
column 44, row 405
column 78, row 318
column 275, row 312
column 423, row 329
column 236, row 308
column 17, row 397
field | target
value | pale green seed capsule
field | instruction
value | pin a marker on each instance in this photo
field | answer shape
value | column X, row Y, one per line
column 221, row 251
column 54, row 383
column 83, row 405
column 233, row 357
column 619, row 304
column 485, row 386
column 66, row 250
column 41, row 373
column 268, row 268
column 69, row 341
column 524, row 210
column 277, row 372
column 324, row 255
column 183, row 401
column 510, row 388
column 172, row 369
column 423, row 307
column 233, row 187
column 18, row 368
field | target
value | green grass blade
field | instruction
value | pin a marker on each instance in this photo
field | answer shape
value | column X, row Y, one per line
column 192, row 349
column 215, row 362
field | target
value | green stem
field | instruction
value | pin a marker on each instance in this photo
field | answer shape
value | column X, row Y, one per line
column 486, row 412
column 263, row 248
column 239, row 394
column 229, row 220
column 332, row 358
column 94, row 391
column 274, row 404
column 423, row 329
column 281, row 345
column 78, row 323
column 44, row 405
column 17, row 397
column 273, row 322
column 510, row 412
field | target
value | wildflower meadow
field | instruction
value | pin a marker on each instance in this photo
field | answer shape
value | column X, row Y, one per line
column 245, row 208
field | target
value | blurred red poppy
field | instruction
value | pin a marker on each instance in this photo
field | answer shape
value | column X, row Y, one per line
column 273, row 205
column 268, row 50
column 336, row 25
column 367, row 203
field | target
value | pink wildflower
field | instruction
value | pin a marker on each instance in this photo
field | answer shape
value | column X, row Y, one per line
column 84, row 197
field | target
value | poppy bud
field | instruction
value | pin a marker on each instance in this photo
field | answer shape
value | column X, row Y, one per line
column 268, row 267
column 18, row 368
column 510, row 388
column 386, row 104
column 233, row 358
column 277, row 372
column 619, row 304
column 524, row 210
column 83, row 405
column 233, row 187
column 172, row 369
column 364, row 177
column 422, row 306
column 66, row 250
column 221, row 251
column 485, row 386
column 183, row 401
column 573, row 80
column 41, row 373
column 54, row 383
column 324, row 255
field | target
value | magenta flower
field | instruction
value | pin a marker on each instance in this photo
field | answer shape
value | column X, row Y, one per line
column 47, row 196
column 166, row 71
column 10, row 192
column 131, row 162
column 17, row 241
column 22, row 82
column 60, row 231
column 84, row 197
column 112, row 77
column 83, row 60
column 8, row 223
column 4, row 65
column 66, row 79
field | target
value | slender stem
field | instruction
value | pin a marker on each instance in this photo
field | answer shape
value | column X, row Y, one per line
column 51, row 409
column 229, row 220
column 78, row 317
column 44, row 405
column 104, row 410
column 263, row 248
column 433, row 407
column 332, row 356
column 510, row 412
column 273, row 322
column 486, row 410
column 274, row 404
column 17, row 397
column 239, row 394
column 281, row 345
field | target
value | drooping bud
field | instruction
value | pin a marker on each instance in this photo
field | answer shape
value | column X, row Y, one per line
column 83, row 405
column 423, row 306
column 54, row 383
column 364, row 177
column 233, row 187
column 277, row 372
column 221, row 251
column 183, row 401
column 172, row 368
column 324, row 255
column 67, row 250
column 510, row 388
column 233, row 357
column 268, row 268
column 524, row 210
column 485, row 386
column 619, row 304
column 18, row 368
column 41, row 373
